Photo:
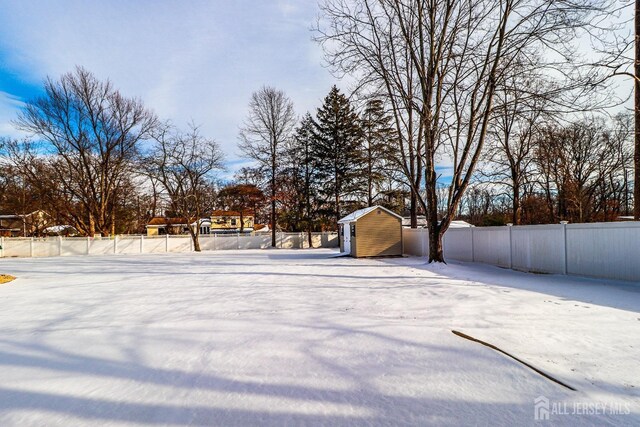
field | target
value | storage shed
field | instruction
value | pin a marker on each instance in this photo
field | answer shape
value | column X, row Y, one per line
column 369, row 232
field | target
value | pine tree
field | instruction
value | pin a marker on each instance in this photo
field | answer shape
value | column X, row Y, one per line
column 302, row 154
column 378, row 140
column 337, row 150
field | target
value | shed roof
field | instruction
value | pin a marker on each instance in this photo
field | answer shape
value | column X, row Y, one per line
column 356, row 215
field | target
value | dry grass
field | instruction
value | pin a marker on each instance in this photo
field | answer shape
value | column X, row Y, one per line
column 5, row 278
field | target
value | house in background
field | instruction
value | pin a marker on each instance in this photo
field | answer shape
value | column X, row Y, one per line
column 370, row 232
column 160, row 226
column 31, row 224
column 12, row 226
column 229, row 221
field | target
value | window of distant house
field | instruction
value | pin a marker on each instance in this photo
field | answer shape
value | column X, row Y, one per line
column 233, row 221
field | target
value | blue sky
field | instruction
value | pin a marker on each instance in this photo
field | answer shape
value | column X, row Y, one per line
column 187, row 60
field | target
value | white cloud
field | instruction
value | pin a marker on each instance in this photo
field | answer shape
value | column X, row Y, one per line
column 9, row 104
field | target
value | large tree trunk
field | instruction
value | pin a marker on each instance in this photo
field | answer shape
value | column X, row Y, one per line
column 517, row 208
column 273, row 222
column 636, row 155
column 196, row 241
column 92, row 226
column 273, row 202
column 436, row 253
column 413, row 209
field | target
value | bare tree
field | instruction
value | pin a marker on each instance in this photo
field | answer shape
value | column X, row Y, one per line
column 618, row 46
column 183, row 163
column 579, row 167
column 93, row 133
column 458, row 52
column 269, row 124
column 519, row 112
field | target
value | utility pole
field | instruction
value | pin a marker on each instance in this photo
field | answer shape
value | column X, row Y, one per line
column 636, row 155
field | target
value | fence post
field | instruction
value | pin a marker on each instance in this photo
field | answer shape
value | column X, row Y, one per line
column 88, row 244
column 142, row 243
column 166, row 243
column 1, row 247
column 237, row 240
column 510, row 225
column 59, row 245
column 215, row 246
column 31, row 247
column 564, row 240
column 115, row 244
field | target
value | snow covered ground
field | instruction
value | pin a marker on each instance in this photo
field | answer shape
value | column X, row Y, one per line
column 299, row 337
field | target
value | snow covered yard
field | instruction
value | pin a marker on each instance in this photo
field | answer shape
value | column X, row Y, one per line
column 294, row 337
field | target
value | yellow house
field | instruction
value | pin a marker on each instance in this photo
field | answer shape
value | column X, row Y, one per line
column 230, row 221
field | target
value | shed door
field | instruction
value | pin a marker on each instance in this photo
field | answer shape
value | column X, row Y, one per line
column 347, row 238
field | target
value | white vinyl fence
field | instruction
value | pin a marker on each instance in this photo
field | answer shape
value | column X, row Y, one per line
column 70, row 246
column 607, row 250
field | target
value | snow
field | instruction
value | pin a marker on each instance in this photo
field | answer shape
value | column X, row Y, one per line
column 301, row 337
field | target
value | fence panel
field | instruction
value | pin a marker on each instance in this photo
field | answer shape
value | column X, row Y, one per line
column 17, row 247
column 457, row 244
column 154, row 244
column 606, row 250
column 329, row 240
column 538, row 248
column 289, row 241
column 72, row 246
column 491, row 245
column 179, row 243
column 226, row 242
column 609, row 250
column 100, row 246
column 415, row 241
column 47, row 247
column 259, row 241
column 128, row 245
column 207, row 242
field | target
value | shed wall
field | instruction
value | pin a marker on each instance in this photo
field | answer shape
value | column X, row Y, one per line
column 378, row 235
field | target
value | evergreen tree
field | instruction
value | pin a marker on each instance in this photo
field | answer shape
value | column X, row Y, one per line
column 378, row 139
column 337, row 150
column 302, row 153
